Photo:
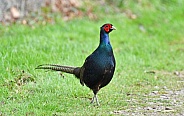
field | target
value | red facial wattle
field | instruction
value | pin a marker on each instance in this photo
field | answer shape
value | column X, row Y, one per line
column 106, row 28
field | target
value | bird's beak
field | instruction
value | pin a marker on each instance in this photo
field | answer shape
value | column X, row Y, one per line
column 113, row 28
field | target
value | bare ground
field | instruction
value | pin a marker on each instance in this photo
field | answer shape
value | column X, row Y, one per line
column 163, row 101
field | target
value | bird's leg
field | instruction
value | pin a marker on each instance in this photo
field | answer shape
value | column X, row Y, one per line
column 95, row 98
column 92, row 101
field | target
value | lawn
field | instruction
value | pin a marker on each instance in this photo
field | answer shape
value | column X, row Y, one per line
column 149, row 78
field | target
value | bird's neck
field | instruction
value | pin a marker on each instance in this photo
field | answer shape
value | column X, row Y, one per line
column 104, row 38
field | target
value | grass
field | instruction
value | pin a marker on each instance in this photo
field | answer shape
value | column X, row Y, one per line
column 152, row 41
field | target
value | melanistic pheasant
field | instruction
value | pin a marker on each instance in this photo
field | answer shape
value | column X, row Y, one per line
column 98, row 68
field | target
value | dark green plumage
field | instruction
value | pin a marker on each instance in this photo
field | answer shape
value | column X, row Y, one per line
column 98, row 68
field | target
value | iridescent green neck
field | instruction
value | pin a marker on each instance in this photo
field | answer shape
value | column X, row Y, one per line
column 104, row 37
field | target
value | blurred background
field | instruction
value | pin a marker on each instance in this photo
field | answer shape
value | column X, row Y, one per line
column 46, row 11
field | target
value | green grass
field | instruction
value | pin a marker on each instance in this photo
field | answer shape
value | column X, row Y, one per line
column 152, row 41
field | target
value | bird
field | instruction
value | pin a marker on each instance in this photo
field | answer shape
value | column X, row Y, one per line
column 98, row 68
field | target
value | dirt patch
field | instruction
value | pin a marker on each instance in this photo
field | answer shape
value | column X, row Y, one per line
column 171, row 103
column 160, row 102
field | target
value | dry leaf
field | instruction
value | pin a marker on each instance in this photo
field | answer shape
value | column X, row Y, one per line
column 15, row 13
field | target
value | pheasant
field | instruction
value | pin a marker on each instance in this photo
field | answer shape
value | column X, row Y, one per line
column 98, row 68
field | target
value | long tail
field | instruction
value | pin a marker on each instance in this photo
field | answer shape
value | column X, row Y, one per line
column 56, row 67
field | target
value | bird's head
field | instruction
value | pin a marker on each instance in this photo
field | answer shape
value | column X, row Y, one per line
column 108, row 28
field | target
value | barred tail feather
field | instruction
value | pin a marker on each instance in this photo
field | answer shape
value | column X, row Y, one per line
column 56, row 67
